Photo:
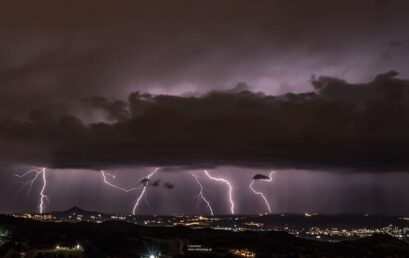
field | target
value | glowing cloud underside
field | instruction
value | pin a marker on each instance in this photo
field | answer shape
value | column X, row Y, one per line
column 229, row 185
column 267, row 203
column 29, row 185
column 201, row 194
column 143, row 192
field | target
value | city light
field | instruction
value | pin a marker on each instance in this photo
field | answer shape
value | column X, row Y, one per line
column 243, row 253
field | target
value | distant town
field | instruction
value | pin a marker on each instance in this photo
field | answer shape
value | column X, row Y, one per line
column 310, row 225
column 76, row 233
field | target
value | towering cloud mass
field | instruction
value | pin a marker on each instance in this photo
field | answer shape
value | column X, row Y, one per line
column 238, row 87
column 67, row 69
column 54, row 53
column 338, row 125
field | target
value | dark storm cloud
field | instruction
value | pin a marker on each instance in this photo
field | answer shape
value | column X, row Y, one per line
column 148, row 182
column 260, row 177
column 115, row 110
column 62, row 63
column 52, row 54
column 145, row 181
column 338, row 125
column 169, row 185
column 156, row 183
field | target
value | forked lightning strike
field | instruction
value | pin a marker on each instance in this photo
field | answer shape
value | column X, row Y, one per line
column 225, row 181
column 201, row 194
column 270, row 178
column 42, row 173
column 29, row 183
column 142, row 194
column 127, row 190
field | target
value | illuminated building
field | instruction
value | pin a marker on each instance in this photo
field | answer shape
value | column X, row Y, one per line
column 242, row 253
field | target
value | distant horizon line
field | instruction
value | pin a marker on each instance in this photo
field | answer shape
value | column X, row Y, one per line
column 304, row 214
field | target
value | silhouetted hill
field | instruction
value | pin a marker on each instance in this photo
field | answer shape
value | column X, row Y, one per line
column 75, row 209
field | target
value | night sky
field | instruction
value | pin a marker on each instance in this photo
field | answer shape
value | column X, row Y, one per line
column 317, row 91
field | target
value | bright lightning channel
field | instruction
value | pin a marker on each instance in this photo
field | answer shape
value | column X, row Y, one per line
column 127, row 190
column 270, row 178
column 29, row 183
column 201, row 195
column 225, row 181
column 143, row 191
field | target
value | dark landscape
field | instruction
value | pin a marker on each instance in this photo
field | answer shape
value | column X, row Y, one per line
column 122, row 239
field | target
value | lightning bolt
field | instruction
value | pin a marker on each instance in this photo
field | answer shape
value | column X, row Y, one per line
column 222, row 180
column 142, row 194
column 260, row 193
column 104, row 177
column 42, row 195
column 201, row 195
column 29, row 184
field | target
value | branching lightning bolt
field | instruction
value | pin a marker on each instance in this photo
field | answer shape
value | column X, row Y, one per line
column 270, row 178
column 228, row 185
column 201, row 195
column 127, row 190
column 29, row 183
column 105, row 176
column 142, row 194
